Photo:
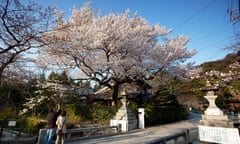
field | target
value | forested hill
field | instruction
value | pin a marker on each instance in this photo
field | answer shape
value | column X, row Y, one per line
column 221, row 65
column 225, row 73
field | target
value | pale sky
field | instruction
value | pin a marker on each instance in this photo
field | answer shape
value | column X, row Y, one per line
column 206, row 22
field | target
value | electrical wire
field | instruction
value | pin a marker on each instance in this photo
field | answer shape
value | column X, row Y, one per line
column 211, row 34
column 195, row 14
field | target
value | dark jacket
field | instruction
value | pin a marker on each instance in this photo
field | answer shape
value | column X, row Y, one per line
column 51, row 118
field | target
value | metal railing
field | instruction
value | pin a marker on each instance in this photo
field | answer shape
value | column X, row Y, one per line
column 14, row 132
column 81, row 133
column 18, row 135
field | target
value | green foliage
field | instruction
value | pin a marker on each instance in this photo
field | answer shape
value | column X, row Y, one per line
column 29, row 125
column 164, row 108
column 221, row 65
column 13, row 95
column 225, row 92
column 226, row 88
column 33, row 122
column 221, row 102
column 102, row 114
column 71, row 98
column 8, row 113
column 95, row 114
column 236, row 84
column 83, row 110
column 155, row 115
column 72, row 113
column 60, row 78
column 163, row 97
column 223, row 95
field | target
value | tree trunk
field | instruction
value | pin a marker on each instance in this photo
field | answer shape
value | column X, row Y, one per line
column 115, row 94
column 1, row 73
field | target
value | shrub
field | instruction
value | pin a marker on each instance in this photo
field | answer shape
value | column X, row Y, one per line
column 155, row 115
column 8, row 113
column 102, row 114
column 72, row 115
column 95, row 114
column 33, row 124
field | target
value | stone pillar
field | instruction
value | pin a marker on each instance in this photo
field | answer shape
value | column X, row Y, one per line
column 141, row 120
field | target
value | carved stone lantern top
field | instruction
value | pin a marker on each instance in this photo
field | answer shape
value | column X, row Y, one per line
column 124, row 98
column 209, row 87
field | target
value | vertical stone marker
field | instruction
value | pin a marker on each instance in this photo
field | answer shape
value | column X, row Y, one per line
column 141, row 120
column 215, row 126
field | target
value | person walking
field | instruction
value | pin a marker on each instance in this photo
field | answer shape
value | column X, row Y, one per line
column 51, row 125
column 61, row 128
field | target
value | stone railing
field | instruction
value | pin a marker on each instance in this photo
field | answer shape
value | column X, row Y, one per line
column 186, row 136
column 81, row 133
column 16, row 137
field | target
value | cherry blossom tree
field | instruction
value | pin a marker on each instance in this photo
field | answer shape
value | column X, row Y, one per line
column 20, row 30
column 115, row 48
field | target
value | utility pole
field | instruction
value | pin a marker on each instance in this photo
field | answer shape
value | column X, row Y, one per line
column 234, row 13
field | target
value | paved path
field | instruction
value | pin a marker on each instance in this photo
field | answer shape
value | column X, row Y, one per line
column 142, row 136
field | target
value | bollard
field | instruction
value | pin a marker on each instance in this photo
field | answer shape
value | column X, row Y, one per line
column 141, row 123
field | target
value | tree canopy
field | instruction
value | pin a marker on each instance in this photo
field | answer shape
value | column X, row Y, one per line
column 21, row 27
column 115, row 48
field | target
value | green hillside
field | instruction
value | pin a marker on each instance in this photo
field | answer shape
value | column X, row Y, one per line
column 221, row 65
column 225, row 74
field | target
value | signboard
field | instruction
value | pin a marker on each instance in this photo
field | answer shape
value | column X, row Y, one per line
column 12, row 123
column 219, row 135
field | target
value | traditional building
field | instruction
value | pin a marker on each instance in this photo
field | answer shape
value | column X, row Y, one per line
column 137, row 92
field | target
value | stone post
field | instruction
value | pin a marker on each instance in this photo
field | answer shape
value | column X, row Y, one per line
column 141, row 121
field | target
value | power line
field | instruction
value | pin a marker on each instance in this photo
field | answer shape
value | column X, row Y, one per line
column 212, row 56
column 211, row 34
column 195, row 14
column 216, row 43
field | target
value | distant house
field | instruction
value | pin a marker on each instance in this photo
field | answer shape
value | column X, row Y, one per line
column 84, row 94
column 84, row 91
column 64, row 89
column 136, row 92
column 103, row 96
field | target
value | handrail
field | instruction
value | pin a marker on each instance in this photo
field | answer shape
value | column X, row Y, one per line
column 81, row 133
column 16, row 136
column 186, row 136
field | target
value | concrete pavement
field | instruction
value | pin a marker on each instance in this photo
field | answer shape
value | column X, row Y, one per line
column 140, row 136
column 145, row 136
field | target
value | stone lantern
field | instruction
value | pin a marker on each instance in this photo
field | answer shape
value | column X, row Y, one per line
column 215, row 127
column 124, row 117
column 213, row 116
